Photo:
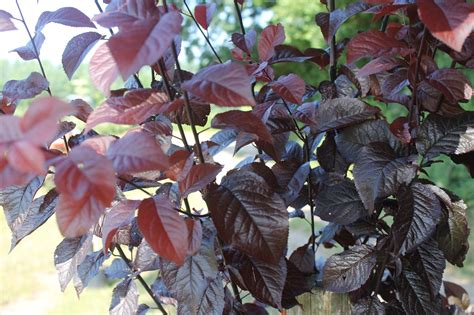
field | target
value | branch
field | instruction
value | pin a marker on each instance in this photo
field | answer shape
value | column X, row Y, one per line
column 141, row 280
column 48, row 89
column 239, row 15
column 332, row 45
column 186, row 98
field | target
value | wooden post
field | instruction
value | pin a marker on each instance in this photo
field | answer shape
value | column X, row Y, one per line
column 320, row 302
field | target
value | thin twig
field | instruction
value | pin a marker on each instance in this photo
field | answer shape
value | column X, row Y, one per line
column 239, row 15
column 202, row 32
column 141, row 280
column 413, row 107
column 332, row 45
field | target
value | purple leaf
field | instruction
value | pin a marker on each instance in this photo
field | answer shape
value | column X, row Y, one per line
column 76, row 50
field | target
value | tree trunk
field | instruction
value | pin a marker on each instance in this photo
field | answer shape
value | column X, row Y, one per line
column 320, row 302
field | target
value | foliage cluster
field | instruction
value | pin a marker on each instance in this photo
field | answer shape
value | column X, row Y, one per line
column 323, row 151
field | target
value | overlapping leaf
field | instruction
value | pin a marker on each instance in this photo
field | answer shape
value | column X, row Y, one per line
column 76, row 50
column 429, row 263
column 375, row 44
column 30, row 87
column 379, row 172
column 39, row 211
column 350, row 269
column 163, row 228
column 443, row 135
column 263, row 279
column 28, row 52
column 351, row 140
column 449, row 21
column 249, row 215
column 86, row 183
column 192, row 282
column 137, row 151
column 419, row 213
column 124, row 298
column 414, row 294
column 132, row 108
column 342, row 112
column 271, row 36
column 452, row 83
column 225, row 84
column 453, row 231
column 68, row 255
column 340, row 203
column 242, row 122
column 146, row 41
column 103, row 70
column 198, row 177
column 289, row 87
column 330, row 22
column 119, row 215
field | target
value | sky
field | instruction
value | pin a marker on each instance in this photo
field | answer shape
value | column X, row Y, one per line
column 57, row 36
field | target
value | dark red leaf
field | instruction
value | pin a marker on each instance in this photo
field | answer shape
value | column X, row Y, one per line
column 138, row 151
column 400, row 128
column 225, row 84
column 287, row 53
column 180, row 162
column 119, row 215
column 330, row 24
column 82, row 109
column 146, row 42
column 245, row 42
column 203, row 13
column 450, row 21
column 194, row 235
column 378, row 65
column 289, row 87
column 132, row 108
column 198, row 177
column 350, row 269
column 86, row 183
column 379, row 172
column 271, row 36
column 452, row 83
column 249, row 215
column 163, row 228
column 67, row 16
column 124, row 13
column 77, row 49
column 419, row 213
column 242, row 121
column 103, row 70
column 341, row 112
column 374, row 44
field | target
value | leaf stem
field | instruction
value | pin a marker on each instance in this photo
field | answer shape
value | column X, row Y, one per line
column 141, row 280
column 48, row 89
